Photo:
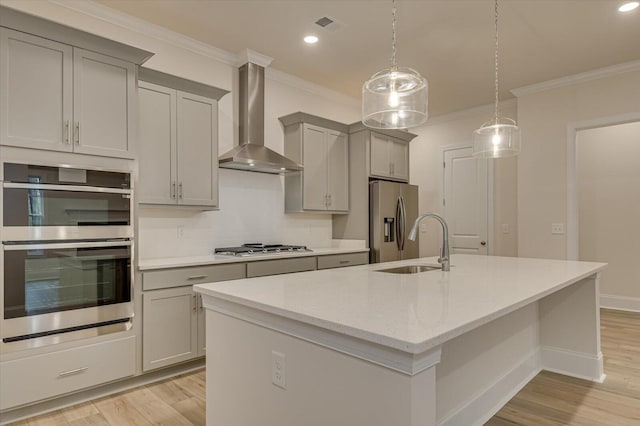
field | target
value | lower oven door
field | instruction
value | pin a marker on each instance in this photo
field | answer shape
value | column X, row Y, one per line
column 58, row 287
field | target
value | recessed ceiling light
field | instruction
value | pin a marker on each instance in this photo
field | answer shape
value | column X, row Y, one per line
column 311, row 39
column 627, row 7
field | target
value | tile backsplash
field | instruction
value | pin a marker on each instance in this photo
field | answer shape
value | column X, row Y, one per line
column 251, row 210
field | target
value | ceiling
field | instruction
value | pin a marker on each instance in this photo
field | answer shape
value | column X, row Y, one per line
column 450, row 42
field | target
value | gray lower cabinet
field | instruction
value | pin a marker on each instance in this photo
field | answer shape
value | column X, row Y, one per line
column 58, row 97
column 322, row 147
column 173, row 319
column 178, row 143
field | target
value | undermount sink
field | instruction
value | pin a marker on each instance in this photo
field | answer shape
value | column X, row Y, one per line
column 410, row 269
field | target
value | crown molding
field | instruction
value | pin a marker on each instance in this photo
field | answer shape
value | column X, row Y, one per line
column 310, row 87
column 582, row 77
column 248, row 55
column 487, row 110
column 121, row 19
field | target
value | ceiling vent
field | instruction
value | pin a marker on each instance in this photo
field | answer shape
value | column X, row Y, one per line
column 328, row 23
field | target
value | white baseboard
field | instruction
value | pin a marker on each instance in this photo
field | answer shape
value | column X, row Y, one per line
column 486, row 404
column 621, row 303
column 574, row 364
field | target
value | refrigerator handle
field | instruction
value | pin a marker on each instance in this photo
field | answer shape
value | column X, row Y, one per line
column 399, row 235
column 403, row 222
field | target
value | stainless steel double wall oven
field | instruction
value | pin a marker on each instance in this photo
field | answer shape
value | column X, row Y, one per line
column 66, row 254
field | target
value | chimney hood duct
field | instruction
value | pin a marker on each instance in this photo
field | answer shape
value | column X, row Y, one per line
column 251, row 154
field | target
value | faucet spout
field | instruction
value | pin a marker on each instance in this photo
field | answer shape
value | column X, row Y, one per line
column 444, row 251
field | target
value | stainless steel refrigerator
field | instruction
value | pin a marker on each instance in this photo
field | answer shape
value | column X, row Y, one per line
column 393, row 207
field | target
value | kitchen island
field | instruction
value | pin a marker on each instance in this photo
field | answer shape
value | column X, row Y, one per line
column 357, row 346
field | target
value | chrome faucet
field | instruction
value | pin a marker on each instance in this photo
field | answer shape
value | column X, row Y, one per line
column 444, row 251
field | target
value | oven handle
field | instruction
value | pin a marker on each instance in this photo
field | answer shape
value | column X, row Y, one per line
column 83, row 244
column 76, row 188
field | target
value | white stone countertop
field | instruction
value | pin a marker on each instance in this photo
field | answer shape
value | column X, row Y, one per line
column 409, row 312
column 212, row 259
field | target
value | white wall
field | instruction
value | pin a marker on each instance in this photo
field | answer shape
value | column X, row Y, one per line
column 252, row 206
column 544, row 118
column 608, row 182
column 427, row 172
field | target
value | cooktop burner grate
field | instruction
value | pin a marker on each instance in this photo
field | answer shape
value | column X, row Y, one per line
column 251, row 249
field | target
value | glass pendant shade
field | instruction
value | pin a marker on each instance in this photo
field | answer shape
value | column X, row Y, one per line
column 497, row 138
column 395, row 98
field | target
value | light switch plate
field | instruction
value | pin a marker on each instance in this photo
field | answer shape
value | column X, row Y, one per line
column 505, row 228
column 557, row 228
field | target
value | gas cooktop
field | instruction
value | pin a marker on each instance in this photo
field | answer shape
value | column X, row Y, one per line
column 253, row 249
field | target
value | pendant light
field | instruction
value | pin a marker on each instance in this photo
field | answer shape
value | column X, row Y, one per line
column 395, row 98
column 498, row 137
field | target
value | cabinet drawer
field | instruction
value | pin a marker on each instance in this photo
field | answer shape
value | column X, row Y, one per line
column 340, row 260
column 280, row 266
column 177, row 277
column 44, row 376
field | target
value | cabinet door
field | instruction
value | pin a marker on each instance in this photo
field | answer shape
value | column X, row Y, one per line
column 338, row 171
column 156, row 144
column 202, row 335
column 169, row 327
column 399, row 153
column 197, row 157
column 314, row 157
column 35, row 92
column 380, row 160
column 102, row 107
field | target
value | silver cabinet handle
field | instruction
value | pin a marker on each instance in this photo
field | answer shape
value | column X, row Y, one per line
column 329, row 200
column 195, row 304
column 66, row 132
column 180, row 190
column 197, row 277
column 72, row 372
column 201, row 304
column 344, row 262
column 483, row 243
column 173, row 189
column 77, row 133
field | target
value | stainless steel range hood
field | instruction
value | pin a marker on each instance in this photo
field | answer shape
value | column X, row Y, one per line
column 251, row 154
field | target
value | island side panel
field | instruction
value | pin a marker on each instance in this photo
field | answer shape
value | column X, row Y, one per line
column 570, row 330
column 481, row 370
column 323, row 387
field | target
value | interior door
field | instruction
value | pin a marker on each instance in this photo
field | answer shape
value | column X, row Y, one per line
column 465, row 201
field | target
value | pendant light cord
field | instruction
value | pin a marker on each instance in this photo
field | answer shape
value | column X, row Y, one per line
column 394, row 65
column 496, row 59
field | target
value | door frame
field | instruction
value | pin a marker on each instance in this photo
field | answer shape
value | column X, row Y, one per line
column 572, row 191
column 490, row 184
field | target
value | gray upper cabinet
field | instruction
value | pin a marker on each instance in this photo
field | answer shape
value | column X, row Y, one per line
column 322, row 147
column 63, row 98
column 178, row 142
column 389, row 157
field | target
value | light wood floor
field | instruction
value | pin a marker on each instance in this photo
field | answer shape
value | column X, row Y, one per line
column 549, row 399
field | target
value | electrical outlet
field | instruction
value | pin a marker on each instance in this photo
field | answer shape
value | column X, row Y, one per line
column 423, row 227
column 180, row 231
column 505, row 228
column 557, row 228
column 278, row 369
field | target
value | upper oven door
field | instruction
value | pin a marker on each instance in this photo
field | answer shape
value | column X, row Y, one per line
column 48, row 203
